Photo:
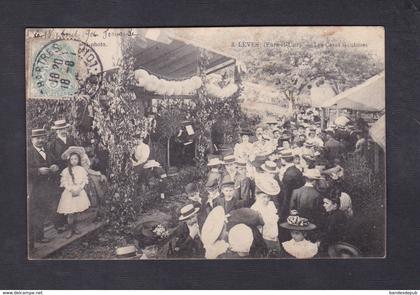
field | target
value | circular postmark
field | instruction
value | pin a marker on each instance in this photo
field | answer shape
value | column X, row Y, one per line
column 63, row 68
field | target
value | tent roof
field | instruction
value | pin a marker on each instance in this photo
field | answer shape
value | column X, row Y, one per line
column 175, row 58
column 368, row 96
column 377, row 131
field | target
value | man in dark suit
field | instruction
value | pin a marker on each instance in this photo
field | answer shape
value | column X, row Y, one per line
column 42, row 170
column 208, row 202
column 291, row 180
column 332, row 147
column 186, row 242
column 306, row 199
column 61, row 142
column 58, row 146
column 243, row 184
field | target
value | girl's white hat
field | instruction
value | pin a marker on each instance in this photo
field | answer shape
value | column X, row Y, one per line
column 240, row 238
column 73, row 149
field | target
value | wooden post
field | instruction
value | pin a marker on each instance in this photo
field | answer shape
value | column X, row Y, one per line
column 168, row 146
column 322, row 118
column 376, row 158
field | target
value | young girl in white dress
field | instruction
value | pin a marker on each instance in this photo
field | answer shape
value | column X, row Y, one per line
column 74, row 198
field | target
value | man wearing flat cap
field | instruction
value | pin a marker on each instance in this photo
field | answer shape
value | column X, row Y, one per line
column 228, row 200
column 42, row 170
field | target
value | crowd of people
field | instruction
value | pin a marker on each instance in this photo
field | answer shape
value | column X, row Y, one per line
column 277, row 193
column 63, row 181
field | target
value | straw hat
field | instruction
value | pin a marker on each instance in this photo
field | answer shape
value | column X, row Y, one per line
column 227, row 181
column 214, row 162
column 151, row 164
column 240, row 162
column 270, row 167
column 38, row 132
column 213, row 226
column 127, row 252
column 60, row 124
column 286, row 153
column 336, row 250
column 312, row 174
column 188, row 211
column 228, row 159
column 267, row 185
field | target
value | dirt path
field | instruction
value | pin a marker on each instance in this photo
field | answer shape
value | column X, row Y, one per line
column 101, row 244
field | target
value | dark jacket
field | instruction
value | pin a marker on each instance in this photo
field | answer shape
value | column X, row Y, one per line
column 39, row 185
column 205, row 209
column 43, row 190
column 308, row 202
column 334, row 228
column 292, row 179
column 184, row 246
column 333, row 148
column 233, row 204
column 243, row 189
column 58, row 147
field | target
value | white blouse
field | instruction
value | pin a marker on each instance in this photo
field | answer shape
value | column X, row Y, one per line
column 269, row 214
column 80, row 178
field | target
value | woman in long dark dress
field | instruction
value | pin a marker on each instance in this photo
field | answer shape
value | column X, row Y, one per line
column 334, row 228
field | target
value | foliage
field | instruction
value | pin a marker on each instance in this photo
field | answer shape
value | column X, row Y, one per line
column 212, row 112
column 367, row 191
column 41, row 113
column 295, row 69
column 117, row 118
column 176, row 184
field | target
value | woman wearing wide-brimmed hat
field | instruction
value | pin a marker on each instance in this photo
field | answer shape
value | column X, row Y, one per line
column 298, row 247
column 268, row 189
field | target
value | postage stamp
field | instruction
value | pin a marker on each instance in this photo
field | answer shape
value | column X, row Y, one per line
column 63, row 68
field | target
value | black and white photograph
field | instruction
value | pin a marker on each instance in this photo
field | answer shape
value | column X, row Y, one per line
column 222, row 143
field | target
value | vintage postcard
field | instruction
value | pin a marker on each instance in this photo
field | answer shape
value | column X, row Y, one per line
column 206, row 143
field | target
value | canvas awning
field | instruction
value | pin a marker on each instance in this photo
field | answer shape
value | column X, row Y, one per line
column 377, row 132
column 173, row 58
column 368, row 96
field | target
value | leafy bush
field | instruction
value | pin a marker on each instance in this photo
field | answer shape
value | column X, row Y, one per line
column 367, row 190
column 177, row 183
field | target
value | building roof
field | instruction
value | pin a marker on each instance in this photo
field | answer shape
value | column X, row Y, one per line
column 368, row 96
column 173, row 58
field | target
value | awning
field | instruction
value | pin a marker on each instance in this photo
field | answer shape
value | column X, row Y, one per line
column 368, row 96
column 173, row 58
column 377, row 132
